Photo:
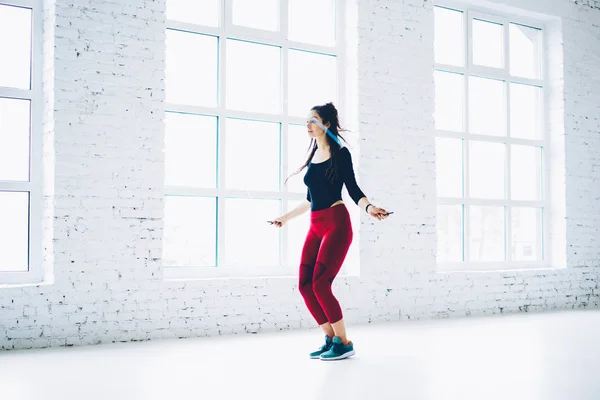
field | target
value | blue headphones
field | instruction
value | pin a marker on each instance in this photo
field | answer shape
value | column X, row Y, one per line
column 335, row 138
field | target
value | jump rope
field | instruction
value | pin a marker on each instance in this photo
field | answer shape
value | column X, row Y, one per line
column 335, row 139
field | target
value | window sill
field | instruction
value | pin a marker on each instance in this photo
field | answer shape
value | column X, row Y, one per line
column 485, row 267
column 24, row 285
column 211, row 273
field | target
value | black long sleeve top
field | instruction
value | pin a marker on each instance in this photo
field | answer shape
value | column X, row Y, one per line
column 323, row 192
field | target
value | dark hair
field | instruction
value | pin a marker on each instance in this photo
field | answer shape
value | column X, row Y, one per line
column 329, row 114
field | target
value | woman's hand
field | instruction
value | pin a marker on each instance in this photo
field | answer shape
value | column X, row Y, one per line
column 278, row 222
column 282, row 220
column 378, row 213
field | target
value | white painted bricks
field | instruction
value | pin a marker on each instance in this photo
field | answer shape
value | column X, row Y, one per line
column 104, row 135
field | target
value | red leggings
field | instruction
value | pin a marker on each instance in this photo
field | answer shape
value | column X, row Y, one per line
column 324, row 251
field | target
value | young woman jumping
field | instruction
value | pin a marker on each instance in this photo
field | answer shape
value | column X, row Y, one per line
column 330, row 234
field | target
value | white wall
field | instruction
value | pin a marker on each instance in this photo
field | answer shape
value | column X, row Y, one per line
column 104, row 81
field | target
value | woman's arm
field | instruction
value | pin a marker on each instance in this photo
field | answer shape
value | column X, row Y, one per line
column 354, row 191
column 363, row 203
column 349, row 178
column 301, row 209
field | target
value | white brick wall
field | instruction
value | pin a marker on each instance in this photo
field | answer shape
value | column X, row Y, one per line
column 595, row 4
column 104, row 135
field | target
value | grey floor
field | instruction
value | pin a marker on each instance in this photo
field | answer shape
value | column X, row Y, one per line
column 526, row 356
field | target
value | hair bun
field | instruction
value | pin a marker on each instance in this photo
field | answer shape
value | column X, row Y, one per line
column 332, row 107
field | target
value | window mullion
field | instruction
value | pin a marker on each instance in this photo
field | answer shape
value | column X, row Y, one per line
column 33, row 4
column 469, row 47
column 466, row 152
column 219, row 195
column 283, row 160
column 508, row 152
column 540, row 237
column 284, row 27
column 450, row 68
column 195, row 28
column 227, row 19
column 255, row 35
column 18, row 186
column 198, row 110
column 340, row 55
column 545, row 251
column 19, row 94
column 508, row 212
column 222, row 132
column 507, row 169
column 222, row 84
column 506, row 48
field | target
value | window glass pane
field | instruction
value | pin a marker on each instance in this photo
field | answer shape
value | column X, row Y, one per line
column 486, row 229
column 14, row 140
column 486, row 170
column 488, row 44
column 258, row 14
column 525, row 111
column 449, row 40
column 298, row 142
column 15, row 47
column 190, row 235
column 312, row 21
column 297, row 231
column 204, row 12
column 526, row 172
column 449, row 167
column 249, row 239
column 312, row 81
column 253, row 73
column 449, row 100
column 449, row 233
column 525, row 57
column 487, row 107
column 525, row 236
column 190, row 150
column 252, row 155
column 191, row 69
column 14, row 231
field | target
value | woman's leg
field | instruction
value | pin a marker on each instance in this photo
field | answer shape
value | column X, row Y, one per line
column 339, row 329
column 305, row 281
column 328, row 329
column 333, row 250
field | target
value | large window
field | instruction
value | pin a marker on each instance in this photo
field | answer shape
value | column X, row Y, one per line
column 490, row 141
column 20, row 155
column 241, row 76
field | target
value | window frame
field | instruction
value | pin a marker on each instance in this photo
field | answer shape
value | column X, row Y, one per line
column 35, row 272
column 502, row 74
column 226, row 31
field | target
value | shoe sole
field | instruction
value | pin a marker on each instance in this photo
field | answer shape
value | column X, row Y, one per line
column 345, row 355
column 315, row 357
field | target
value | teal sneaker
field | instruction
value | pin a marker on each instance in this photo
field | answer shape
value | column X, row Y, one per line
column 323, row 348
column 338, row 350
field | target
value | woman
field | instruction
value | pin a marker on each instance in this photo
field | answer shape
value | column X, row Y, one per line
column 330, row 234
